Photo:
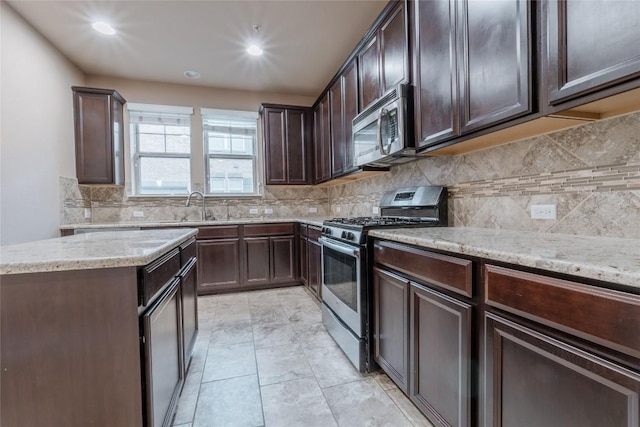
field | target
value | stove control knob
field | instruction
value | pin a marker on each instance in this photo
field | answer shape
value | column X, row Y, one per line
column 344, row 235
column 327, row 231
column 350, row 236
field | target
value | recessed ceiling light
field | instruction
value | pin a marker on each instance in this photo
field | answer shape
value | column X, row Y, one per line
column 254, row 50
column 104, row 28
column 192, row 74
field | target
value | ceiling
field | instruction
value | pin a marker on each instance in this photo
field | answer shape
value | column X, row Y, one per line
column 304, row 41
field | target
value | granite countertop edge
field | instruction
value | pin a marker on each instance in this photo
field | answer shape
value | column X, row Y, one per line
column 608, row 259
column 92, row 251
column 317, row 221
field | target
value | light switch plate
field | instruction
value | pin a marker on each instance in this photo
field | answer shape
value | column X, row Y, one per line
column 268, row 211
column 138, row 214
column 376, row 210
column 313, row 210
column 253, row 211
column 87, row 213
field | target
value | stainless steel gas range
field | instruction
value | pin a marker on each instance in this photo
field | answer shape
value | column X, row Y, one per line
column 346, row 264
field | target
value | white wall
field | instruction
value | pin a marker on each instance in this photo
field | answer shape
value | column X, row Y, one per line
column 36, row 138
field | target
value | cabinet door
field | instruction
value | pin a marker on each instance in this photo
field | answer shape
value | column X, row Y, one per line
column 440, row 356
column 94, row 125
column 391, row 326
column 304, row 260
column 494, row 61
column 535, row 380
column 394, row 49
column 218, row 264
column 275, row 146
column 256, row 255
column 590, row 45
column 164, row 373
column 189, row 288
column 297, row 156
column 283, row 259
column 435, row 73
column 369, row 69
column 314, row 251
column 349, row 111
column 337, row 128
column 322, row 141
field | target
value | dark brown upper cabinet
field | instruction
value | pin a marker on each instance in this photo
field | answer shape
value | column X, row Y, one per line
column 343, row 99
column 99, row 134
column 472, row 66
column 384, row 59
column 286, row 133
column 322, row 141
column 590, row 47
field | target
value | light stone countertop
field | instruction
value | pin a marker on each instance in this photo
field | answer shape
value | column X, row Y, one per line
column 311, row 221
column 92, row 250
column 609, row 259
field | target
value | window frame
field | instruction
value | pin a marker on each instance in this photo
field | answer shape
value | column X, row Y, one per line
column 137, row 154
column 255, row 157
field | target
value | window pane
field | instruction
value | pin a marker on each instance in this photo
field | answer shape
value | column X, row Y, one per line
column 231, row 176
column 164, row 175
column 178, row 144
column 145, row 128
column 242, row 144
column 178, row 130
column 217, row 142
column 151, row 143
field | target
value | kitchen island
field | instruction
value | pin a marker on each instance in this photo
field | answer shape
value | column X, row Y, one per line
column 97, row 329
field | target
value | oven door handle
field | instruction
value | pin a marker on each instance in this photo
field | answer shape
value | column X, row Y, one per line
column 343, row 249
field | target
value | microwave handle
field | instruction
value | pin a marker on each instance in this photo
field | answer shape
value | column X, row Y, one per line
column 381, row 114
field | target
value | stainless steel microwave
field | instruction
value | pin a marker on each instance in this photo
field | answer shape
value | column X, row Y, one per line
column 381, row 133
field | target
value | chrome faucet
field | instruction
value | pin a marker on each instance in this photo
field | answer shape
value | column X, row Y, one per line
column 204, row 211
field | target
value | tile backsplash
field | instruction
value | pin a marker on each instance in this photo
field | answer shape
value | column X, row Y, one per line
column 591, row 172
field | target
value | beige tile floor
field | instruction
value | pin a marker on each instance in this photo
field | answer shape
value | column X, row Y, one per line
column 264, row 359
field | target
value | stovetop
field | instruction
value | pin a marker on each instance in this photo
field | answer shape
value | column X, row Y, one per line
column 379, row 221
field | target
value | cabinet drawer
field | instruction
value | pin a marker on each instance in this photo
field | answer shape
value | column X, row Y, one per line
column 269, row 229
column 187, row 251
column 220, row 231
column 155, row 275
column 445, row 271
column 610, row 318
column 314, row 232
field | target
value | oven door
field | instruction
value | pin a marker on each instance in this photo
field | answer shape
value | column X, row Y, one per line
column 342, row 281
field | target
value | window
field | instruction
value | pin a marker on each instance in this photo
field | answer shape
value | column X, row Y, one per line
column 161, row 147
column 230, row 152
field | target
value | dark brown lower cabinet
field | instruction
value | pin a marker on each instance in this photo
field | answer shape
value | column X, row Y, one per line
column 189, row 304
column 314, row 252
column 535, row 380
column 391, row 326
column 256, row 255
column 163, row 356
column 283, row 259
column 219, row 264
column 440, row 356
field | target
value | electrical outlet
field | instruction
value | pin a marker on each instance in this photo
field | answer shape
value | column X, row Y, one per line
column 376, row 210
column 253, row 211
column 313, row 210
column 87, row 213
column 543, row 211
column 338, row 209
column 268, row 211
column 138, row 214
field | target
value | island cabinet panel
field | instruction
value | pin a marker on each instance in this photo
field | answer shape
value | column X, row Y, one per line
column 440, row 356
column 535, row 380
column 589, row 46
column 70, row 353
column 163, row 356
column 391, row 325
